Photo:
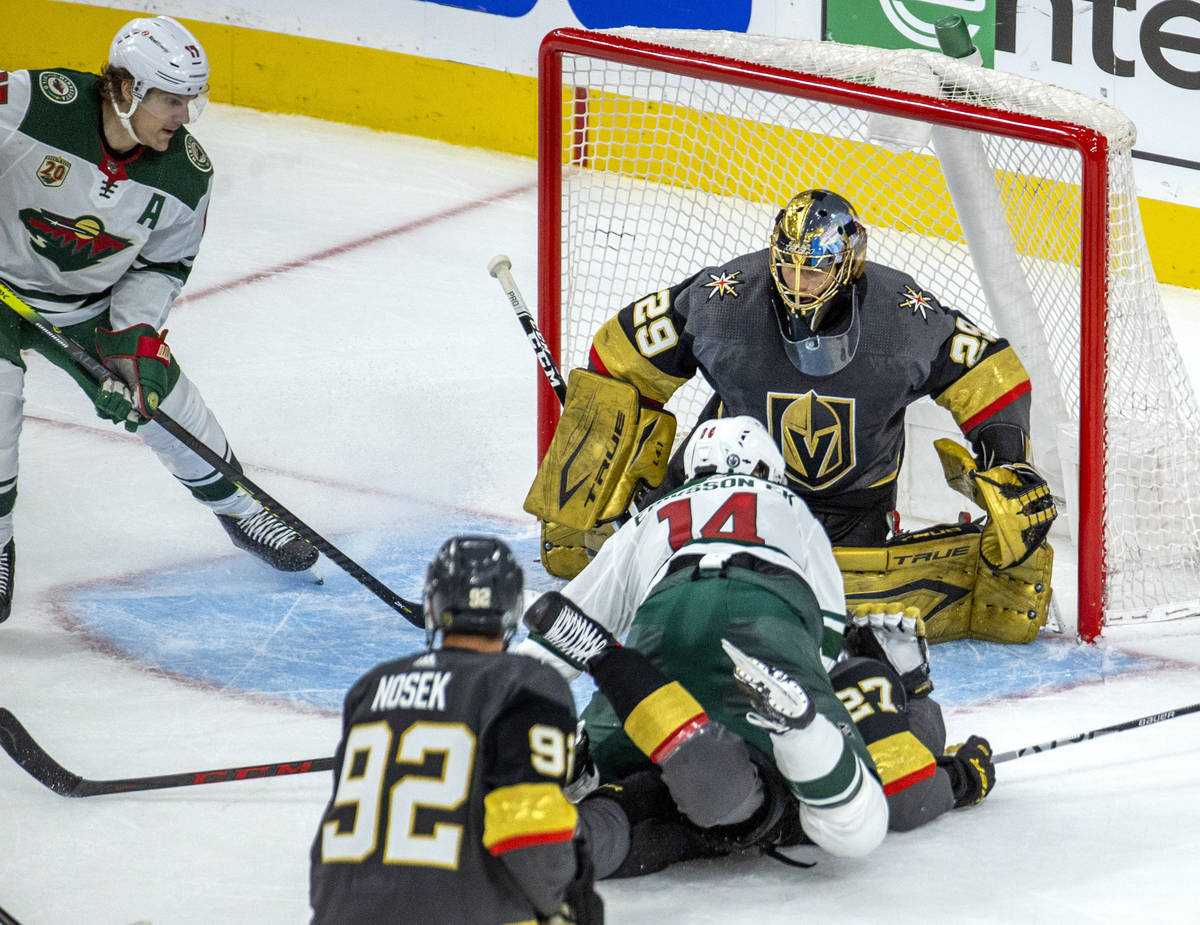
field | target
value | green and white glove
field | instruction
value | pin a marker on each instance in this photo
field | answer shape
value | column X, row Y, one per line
column 139, row 355
column 114, row 402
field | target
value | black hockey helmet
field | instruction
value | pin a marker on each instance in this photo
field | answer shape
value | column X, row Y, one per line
column 474, row 585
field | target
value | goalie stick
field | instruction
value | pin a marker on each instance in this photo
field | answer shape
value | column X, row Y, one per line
column 33, row 759
column 1095, row 733
column 500, row 267
column 100, row 373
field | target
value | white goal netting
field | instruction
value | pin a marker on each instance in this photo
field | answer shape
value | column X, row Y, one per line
column 1011, row 199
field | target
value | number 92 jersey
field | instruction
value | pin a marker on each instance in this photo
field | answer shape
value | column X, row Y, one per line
column 450, row 768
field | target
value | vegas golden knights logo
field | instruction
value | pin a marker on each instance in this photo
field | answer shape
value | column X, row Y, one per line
column 816, row 434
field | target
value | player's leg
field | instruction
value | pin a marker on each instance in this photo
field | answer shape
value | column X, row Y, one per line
column 12, row 378
column 706, row 767
column 842, row 804
column 249, row 525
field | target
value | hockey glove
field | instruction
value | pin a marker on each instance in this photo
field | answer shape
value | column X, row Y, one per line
column 141, row 357
column 114, row 402
column 972, row 774
column 893, row 634
column 1017, row 499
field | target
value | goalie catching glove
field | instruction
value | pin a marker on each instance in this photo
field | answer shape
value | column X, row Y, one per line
column 1017, row 500
column 141, row 359
column 606, row 448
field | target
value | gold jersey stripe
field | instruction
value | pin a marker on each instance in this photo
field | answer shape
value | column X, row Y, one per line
column 901, row 756
column 621, row 360
column 985, row 389
column 526, row 814
column 657, row 720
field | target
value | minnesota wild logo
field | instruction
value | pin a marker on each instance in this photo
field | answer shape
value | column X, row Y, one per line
column 70, row 243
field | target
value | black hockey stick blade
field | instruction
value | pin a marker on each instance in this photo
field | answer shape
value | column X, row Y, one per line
column 1138, row 723
column 33, row 759
column 7, row 919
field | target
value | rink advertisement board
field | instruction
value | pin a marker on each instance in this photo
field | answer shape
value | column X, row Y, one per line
column 467, row 77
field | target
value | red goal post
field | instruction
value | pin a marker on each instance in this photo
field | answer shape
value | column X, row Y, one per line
column 664, row 151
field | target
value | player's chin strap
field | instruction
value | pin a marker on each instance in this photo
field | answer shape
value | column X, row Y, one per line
column 125, row 117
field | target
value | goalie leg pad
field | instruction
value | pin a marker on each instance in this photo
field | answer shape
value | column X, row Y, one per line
column 1012, row 604
column 648, row 462
column 589, row 453
column 932, row 570
column 565, row 550
column 940, row 572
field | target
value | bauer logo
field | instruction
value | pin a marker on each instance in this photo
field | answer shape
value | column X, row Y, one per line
column 909, row 23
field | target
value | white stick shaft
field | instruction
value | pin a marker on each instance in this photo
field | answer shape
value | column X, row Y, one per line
column 501, row 268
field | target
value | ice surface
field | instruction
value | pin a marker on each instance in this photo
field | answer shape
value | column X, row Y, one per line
column 342, row 324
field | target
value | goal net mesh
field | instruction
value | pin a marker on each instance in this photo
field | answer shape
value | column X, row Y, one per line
column 666, row 169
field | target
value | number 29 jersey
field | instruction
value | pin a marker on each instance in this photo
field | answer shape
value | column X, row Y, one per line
column 451, row 764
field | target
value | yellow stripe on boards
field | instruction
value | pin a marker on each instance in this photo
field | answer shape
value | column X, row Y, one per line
column 457, row 103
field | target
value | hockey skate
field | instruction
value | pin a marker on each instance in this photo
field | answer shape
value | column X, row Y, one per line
column 779, row 701
column 269, row 538
column 567, row 631
column 8, row 563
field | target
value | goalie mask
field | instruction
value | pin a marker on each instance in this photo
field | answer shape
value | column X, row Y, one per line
column 818, row 249
column 474, row 585
column 738, row 445
column 160, row 54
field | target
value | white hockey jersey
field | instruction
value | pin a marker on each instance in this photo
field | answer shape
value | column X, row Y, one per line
column 81, row 230
column 717, row 517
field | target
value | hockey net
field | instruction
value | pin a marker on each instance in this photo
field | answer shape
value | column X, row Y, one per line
column 665, row 151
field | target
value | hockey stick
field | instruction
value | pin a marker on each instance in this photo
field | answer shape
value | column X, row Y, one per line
column 1095, row 733
column 6, row 919
column 501, row 268
column 32, row 758
column 100, row 373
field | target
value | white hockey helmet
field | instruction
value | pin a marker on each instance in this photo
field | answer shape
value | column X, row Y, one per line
column 161, row 54
column 738, row 444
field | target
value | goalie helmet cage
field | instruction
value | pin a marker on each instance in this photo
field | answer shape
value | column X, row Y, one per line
column 662, row 152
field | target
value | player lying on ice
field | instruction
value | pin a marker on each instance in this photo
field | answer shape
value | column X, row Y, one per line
column 827, row 350
column 738, row 713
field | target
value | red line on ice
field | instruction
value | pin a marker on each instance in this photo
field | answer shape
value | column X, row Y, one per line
column 339, row 249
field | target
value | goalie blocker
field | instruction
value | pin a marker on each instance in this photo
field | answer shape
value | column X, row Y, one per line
column 606, row 448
